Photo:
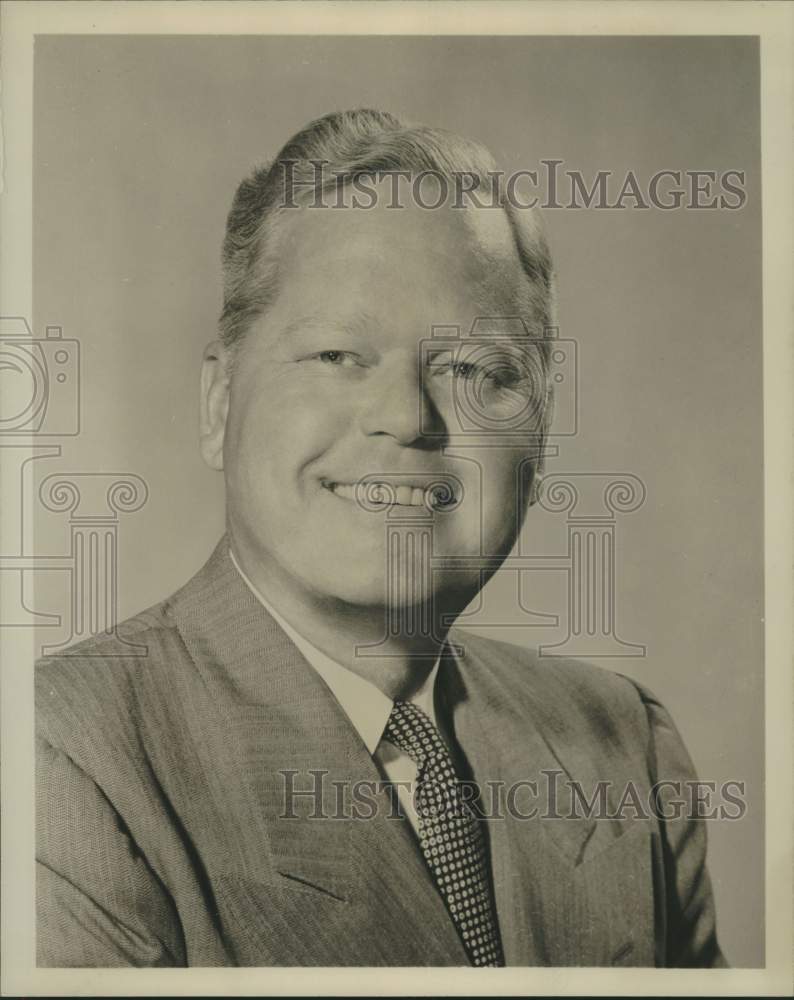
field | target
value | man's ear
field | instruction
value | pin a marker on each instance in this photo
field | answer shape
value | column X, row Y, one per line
column 215, row 380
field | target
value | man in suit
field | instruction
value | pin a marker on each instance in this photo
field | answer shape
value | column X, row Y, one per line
column 293, row 760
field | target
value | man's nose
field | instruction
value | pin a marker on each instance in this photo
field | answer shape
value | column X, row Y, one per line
column 399, row 405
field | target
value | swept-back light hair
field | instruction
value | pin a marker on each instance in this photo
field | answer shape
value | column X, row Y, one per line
column 352, row 144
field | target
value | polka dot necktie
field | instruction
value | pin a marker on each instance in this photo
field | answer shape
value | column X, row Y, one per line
column 449, row 833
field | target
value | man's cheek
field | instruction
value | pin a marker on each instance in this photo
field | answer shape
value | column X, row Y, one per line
column 499, row 506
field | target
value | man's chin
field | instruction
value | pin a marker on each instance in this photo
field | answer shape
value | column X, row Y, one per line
column 449, row 593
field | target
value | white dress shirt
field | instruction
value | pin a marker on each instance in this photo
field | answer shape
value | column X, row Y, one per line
column 367, row 707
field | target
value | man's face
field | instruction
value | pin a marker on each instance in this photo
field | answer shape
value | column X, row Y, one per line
column 331, row 387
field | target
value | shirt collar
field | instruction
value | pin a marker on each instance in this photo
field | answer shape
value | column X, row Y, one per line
column 367, row 707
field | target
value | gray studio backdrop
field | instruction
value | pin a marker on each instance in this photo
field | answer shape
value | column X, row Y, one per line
column 139, row 143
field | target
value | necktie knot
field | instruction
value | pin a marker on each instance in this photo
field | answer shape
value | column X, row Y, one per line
column 411, row 729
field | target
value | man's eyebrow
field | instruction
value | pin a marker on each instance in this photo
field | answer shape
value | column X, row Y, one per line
column 357, row 323
column 498, row 341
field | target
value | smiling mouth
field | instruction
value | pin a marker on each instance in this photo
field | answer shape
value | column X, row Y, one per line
column 372, row 494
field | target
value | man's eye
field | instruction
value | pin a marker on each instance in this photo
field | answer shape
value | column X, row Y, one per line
column 459, row 369
column 339, row 359
column 468, row 370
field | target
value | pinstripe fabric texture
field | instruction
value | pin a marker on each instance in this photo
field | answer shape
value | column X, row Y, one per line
column 181, row 766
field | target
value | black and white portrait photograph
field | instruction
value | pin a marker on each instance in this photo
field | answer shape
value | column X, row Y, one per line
column 396, row 438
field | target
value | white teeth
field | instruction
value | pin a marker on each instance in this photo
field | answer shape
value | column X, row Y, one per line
column 404, row 496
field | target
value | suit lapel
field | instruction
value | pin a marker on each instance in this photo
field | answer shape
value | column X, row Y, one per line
column 572, row 891
column 567, row 891
column 292, row 759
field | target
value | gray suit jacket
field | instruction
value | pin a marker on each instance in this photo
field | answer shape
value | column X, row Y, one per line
column 161, row 837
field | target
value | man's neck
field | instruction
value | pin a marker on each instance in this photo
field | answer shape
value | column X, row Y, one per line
column 380, row 644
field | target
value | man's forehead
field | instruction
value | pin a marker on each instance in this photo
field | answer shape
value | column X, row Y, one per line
column 355, row 321
column 477, row 238
column 363, row 270
column 361, row 323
